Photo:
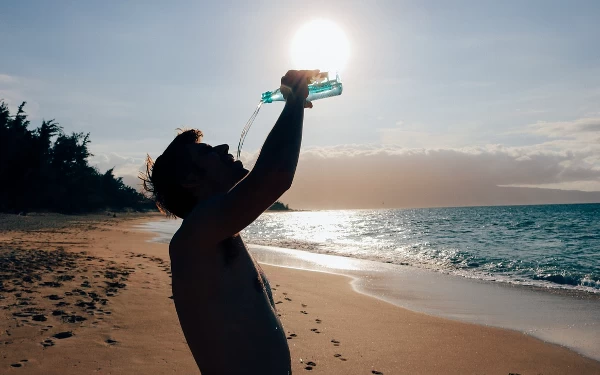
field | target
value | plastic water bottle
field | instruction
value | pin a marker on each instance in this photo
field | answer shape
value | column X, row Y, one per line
column 322, row 87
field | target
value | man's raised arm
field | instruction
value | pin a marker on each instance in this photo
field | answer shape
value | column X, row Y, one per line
column 273, row 173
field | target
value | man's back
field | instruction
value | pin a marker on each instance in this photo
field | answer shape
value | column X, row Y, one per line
column 225, row 309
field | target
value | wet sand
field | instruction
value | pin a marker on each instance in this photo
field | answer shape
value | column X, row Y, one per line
column 93, row 296
column 563, row 317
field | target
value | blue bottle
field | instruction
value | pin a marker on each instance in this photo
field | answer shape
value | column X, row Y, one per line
column 322, row 87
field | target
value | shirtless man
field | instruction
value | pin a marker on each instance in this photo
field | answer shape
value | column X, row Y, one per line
column 222, row 297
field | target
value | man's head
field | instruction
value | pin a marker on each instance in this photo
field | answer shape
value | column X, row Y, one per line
column 188, row 172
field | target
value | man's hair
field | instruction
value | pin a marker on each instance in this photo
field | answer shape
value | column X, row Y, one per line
column 163, row 177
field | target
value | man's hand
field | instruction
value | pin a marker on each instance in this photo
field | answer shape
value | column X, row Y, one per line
column 294, row 85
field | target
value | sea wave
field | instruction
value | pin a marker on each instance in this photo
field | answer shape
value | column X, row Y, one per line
column 455, row 263
column 553, row 246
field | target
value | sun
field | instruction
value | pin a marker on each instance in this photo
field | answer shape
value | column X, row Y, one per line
column 320, row 44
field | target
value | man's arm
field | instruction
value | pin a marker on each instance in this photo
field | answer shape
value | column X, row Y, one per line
column 223, row 216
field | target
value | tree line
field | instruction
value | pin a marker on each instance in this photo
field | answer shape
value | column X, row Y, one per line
column 44, row 169
column 279, row 206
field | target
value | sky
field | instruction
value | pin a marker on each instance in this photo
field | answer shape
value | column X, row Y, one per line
column 444, row 102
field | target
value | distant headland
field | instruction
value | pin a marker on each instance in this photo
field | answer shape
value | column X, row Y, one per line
column 279, row 206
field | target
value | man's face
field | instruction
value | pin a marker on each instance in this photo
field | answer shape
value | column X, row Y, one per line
column 215, row 167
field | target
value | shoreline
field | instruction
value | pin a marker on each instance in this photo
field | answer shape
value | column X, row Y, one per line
column 558, row 316
column 577, row 291
column 531, row 310
column 331, row 328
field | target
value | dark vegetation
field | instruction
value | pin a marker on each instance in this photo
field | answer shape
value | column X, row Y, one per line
column 279, row 206
column 45, row 169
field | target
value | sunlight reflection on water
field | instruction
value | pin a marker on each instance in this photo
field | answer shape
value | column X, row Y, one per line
column 550, row 246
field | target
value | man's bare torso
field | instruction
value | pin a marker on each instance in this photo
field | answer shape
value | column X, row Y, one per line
column 226, row 310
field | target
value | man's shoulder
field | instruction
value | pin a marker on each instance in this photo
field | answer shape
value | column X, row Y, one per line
column 183, row 240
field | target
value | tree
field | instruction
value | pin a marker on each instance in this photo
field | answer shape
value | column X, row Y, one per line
column 279, row 206
column 38, row 173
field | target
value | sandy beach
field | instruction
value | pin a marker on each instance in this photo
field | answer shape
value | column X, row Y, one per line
column 92, row 295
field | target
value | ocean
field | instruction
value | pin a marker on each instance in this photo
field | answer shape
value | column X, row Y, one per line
column 550, row 246
column 534, row 269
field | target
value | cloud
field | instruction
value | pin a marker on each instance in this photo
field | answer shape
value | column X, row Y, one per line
column 126, row 167
column 567, row 157
column 398, row 177
column 580, row 129
column 367, row 176
column 580, row 137
column 591, row 186
column 7, row 79
column 16, row 90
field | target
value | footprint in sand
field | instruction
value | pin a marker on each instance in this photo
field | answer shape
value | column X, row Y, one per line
column 335, row 342
column 39, row 318
column 291, row 335
column 288, row 299
column 72, row 318
column 376, row 372
column 304, row 305
column 278, row 302
column 310, row 365
column 318, row 321
column 315, row 330
column 337, row 355
column 304, row 312
column 63, row 335
column 111, row 341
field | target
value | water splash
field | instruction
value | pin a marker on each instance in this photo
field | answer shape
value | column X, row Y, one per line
column 247, row 127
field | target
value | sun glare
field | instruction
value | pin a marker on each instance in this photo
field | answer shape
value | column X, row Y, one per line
column 320, row 44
